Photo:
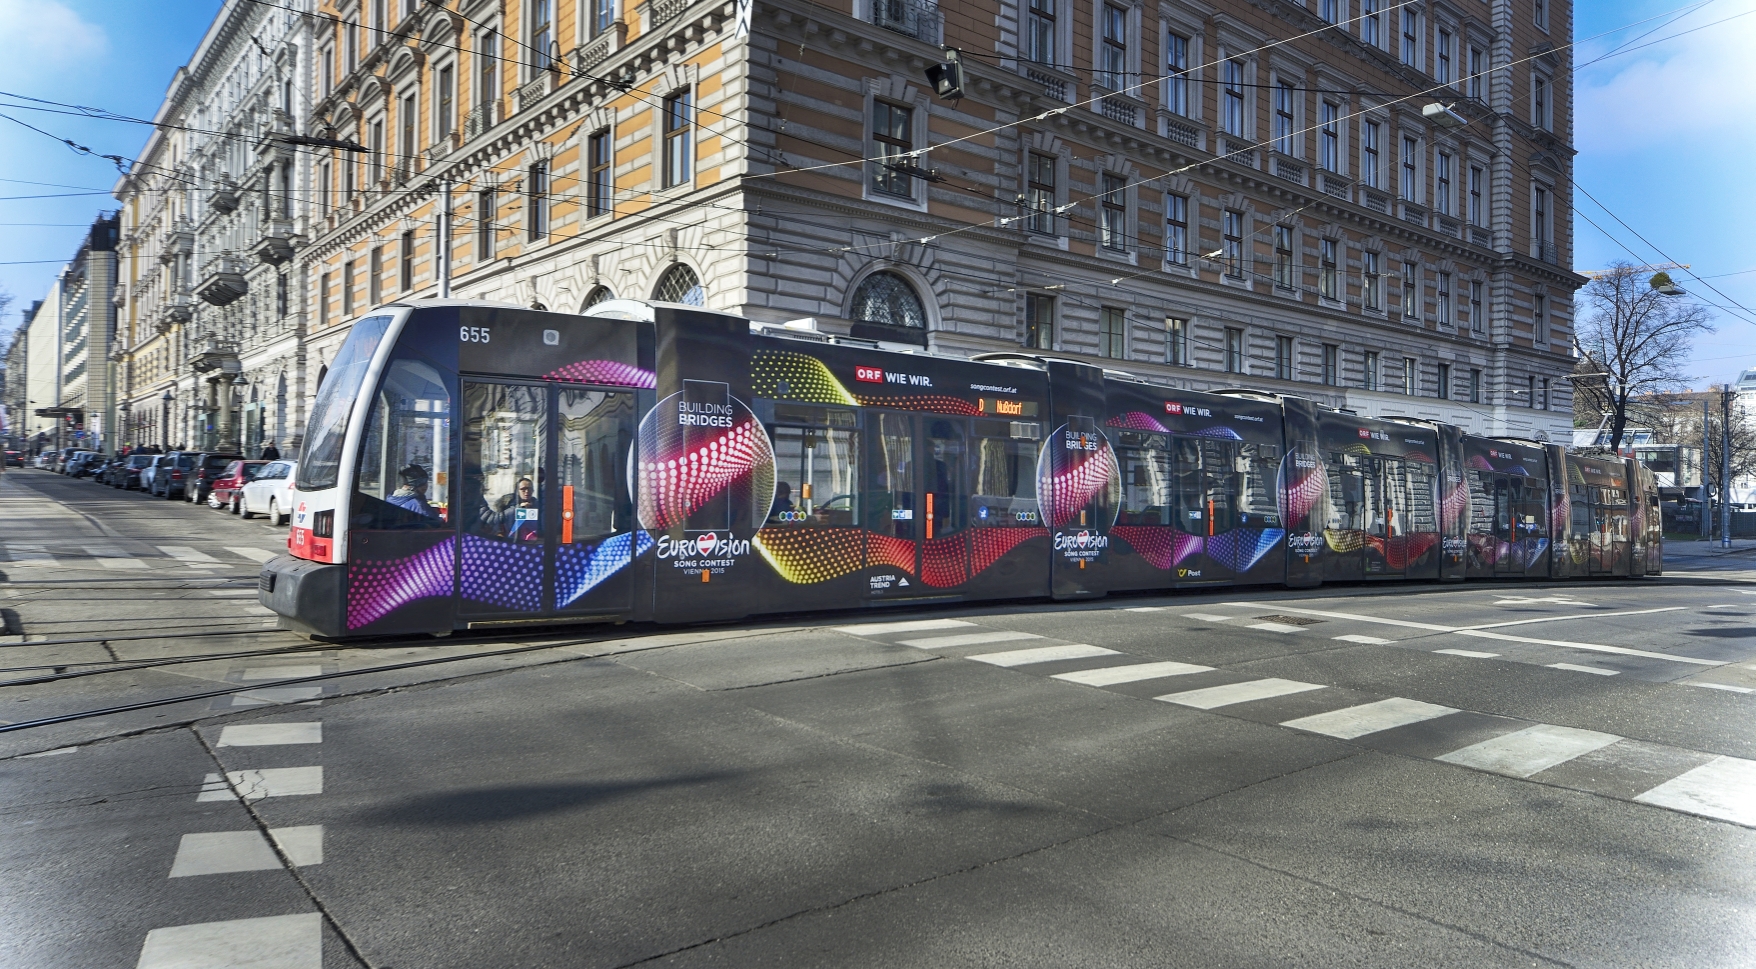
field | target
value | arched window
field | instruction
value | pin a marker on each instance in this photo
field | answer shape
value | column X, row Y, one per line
column 596, row 296
column 885, row 297
column 679, row 284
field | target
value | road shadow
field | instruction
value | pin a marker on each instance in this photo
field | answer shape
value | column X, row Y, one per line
column 514, row 802
column 1724, row 632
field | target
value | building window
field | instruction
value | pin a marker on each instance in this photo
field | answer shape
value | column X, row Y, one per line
column 1331, row 365
column 325, row 179
column 1411, row 296
column 351, row 42
column 1112, row 329
column 1176, row 229
column 350, row 168
column 1371, row 283
column 1475, row 386
column 487, row 210
column 1442, row 69
column 323, row 299
column 1232, row 117
column 1329, row 137
column 885, row 297
column 679, row 138
column 1371, row 26
column 1370, row 380
column 1539, row 101
column 1530, row 392
column 375, row 146
column 537, row 202
column 1411, row 37
column 1283, row 358
column 1234, row 244
column 1234, row 350
column 1327, row 270
column 1285, row 101
column 1544, row 399
column 1113, row 216
column 1475, row 195
column 1177, row 341
column 443, row 98
column 1539, row 318
column 541, row 14
column 375, row 276
column 1478, row 323
column 347, row 288
column 327, row 59
column 488, row 68
column 1539, row 10
column 280, row 296
column 406, row 142
column 597, row 295
column 1539, row 220
column 1039, row 321
column 1409, row 369
column 679, row 284
column 1329, row 10
column 1113, row 67
column 1443, row 295
column 1444, row 375
column 603, row 16
column 1442, row 183
column 405, row 259
column 1283, row 256
column 1476, row 64
column 1411, row 150
column 1042, row 31
column 597, row 186
column 1370, row 149
column 893, row 130
column 1040, row 193
column 1177, row 74
column 378, row 18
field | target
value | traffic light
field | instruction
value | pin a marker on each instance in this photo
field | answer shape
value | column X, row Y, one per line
column 947, row 78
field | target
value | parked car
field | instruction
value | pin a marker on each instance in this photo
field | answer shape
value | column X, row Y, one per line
column 97, row 467
column 208, row 466
column 270, row 492
column 79, row 463
column 14, row 459
column 170, row 472
column 61, row 457
column 126, row 473
column 150, row 471
column 228, row 486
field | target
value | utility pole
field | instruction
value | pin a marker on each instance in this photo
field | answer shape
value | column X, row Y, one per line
column 442, row 258
column 1706, row 439
column 1725, row 467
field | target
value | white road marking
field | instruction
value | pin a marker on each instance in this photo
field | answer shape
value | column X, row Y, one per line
column 276, row 694
column 1727, row 606
column 1113, row 675
column 1561, row 599
column 914, row 626
column 269, row 734
column 1146, row 608
column 1276, row 627
column 280, row 672
column 1368, row 640
column 1208, row 616
column 1472, row 654
column 218, row 852
column 1575, row 667
column 114, row 558
column 1528, row 751
column 58, row 751
column 189, row 556
column 1224, row 696
column 254, row 785
column 1486, row 634
column 967, row 639
column 1594, row 615
column 1724, row 788
column 253, row 554
column 1712, row 686
column 1368, row 718
column 31, row 555
column 276, row 942
column 1042, row 654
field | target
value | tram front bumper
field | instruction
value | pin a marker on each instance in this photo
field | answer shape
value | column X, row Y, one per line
column 308, row 596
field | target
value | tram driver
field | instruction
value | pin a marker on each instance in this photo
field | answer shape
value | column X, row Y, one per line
column 412, row 496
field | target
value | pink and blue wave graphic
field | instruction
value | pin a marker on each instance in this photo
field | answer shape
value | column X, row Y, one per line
column 579, row 568
column 1303, row 483
column 376, row 589
column 611, row 372
column 1136, row 420
column 1161, row 545
column 1220, row 432
column 1241, row 548
column 1075, row 481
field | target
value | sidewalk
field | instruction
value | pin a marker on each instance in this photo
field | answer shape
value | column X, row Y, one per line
column 1688, row 555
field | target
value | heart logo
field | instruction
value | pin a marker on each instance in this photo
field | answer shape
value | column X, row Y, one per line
column 705, row 543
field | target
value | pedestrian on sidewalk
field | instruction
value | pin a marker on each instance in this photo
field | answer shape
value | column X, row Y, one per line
column 270, row 452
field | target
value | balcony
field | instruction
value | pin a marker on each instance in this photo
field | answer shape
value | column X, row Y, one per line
column 1414, row 213
column 1241, row 152
column 1118, row 108
column 222, row 280
column 1376, row 202
column 480, row 118
column 537, row 89
column 224, row 197
column 1054, row 85
column 658, row 12
column 1292, row 171
column 179, row 308
column 1546, row 252
column 276, row 243
column 179, row 241
column 919, row 19
column 1481, row 237
column 213, row 354
column 1182, row 133
column 597, row 50
column 436, row 153
column 1332, row 184
column 1450, row 227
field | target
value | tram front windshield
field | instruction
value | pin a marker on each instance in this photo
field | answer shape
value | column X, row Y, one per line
column 326, row 433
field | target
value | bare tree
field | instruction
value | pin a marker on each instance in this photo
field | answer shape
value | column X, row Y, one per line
column 1636, row 338
column 1676, row 419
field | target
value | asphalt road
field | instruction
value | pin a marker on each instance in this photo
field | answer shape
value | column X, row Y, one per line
column 1382, row 775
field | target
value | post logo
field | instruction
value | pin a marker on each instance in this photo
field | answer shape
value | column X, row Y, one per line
column 869, row 375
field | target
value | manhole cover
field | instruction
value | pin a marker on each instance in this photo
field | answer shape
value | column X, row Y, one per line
column 1290, row 620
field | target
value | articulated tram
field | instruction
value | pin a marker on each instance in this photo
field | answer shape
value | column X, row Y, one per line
column 469, row 465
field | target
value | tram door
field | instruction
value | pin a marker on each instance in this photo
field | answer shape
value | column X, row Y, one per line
column 546, row 523
column 919, row 497
column 1387, row 516
column 1508, row 562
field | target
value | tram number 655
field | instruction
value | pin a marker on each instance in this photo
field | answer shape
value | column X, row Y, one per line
column 472, row 334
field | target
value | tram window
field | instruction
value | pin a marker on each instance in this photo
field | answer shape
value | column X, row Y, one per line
column 1005, row 477
column 805, row 414
column 890, row 503
column 1146, row 479
column 503, row 479
column 320, row 460
column 1258, row 466
column 947, row 494
column 1421, row 515
column 596, row 429
column 817, row 472
column 1347, row 492
column 404, row 479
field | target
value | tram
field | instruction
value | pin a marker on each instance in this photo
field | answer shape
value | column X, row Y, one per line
column 468, row 465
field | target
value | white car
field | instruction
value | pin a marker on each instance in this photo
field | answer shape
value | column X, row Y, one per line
column 270, row 492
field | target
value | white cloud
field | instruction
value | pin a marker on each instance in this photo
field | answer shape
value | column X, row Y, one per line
column 44, row 39
column 1687, row 91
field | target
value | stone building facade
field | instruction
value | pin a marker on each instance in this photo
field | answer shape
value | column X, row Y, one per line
column 211, row 341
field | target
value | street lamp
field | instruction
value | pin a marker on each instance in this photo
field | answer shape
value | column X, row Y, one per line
column 165, row 420
column 127, row 432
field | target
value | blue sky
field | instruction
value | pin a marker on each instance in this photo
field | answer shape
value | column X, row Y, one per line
column 1663, row 134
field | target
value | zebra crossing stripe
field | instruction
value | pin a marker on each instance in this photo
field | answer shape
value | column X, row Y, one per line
column 1116, row 675
column 1723, row 788
column 1529, row 751
column 1214, row 697
column 1042, row 654
column 1368, row 718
